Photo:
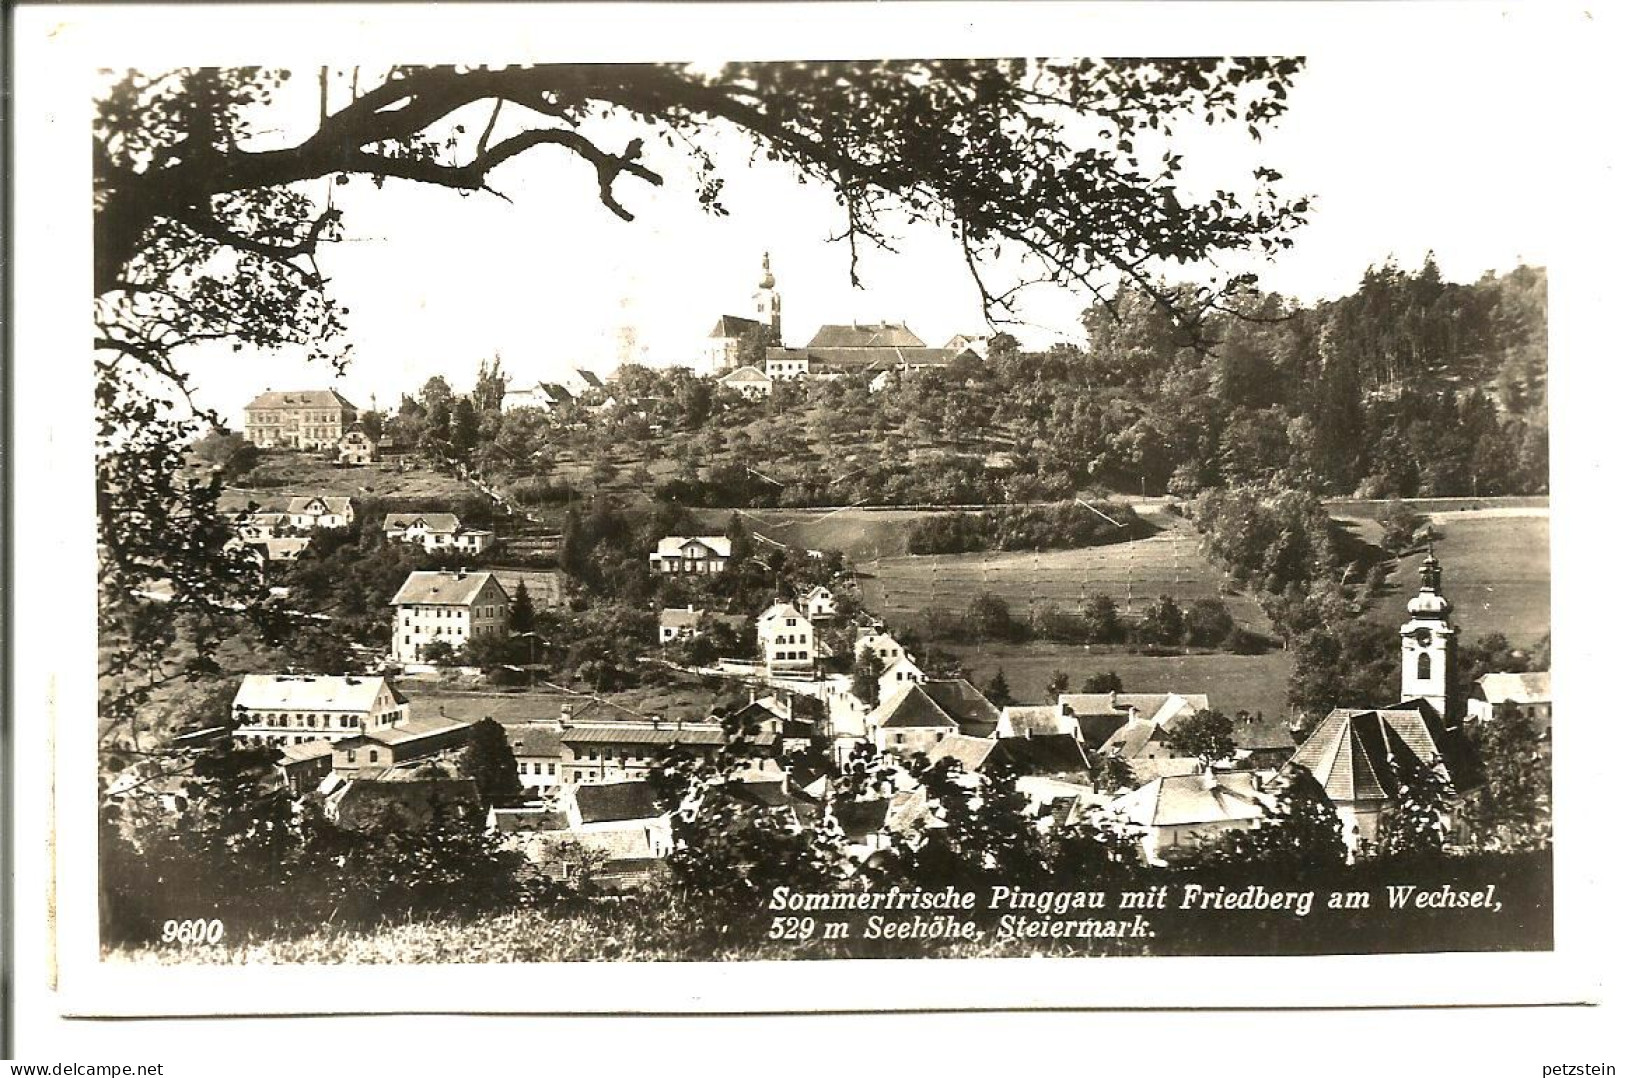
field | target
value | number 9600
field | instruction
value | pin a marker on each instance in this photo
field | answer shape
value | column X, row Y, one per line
column 196, row 930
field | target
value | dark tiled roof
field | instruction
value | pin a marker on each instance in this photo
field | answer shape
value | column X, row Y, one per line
column 535, row 739
column 883, row 335
column 509, row 821
column 858, row 818
column 1041, row 754
column 911, row 708
column 616, row 801
column 629, row 733
column 301, row 398
column 443, row 588
column 733, row 325
column 964, row 703
column 1261, row 735
column 1352, row 753
column 971, row 752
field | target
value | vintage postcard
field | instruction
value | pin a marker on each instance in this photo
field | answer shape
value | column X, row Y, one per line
column 541, row 514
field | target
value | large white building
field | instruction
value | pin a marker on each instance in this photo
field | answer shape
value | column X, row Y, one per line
column 301, row 419
column 291, row 709
column 454, row 607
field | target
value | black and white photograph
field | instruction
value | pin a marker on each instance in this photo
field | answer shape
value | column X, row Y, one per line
column 872, row 503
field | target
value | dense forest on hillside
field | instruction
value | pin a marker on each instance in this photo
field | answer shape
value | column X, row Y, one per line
column 1412, row 386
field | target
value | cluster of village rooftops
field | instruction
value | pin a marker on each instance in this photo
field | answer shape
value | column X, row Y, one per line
column 357, row 744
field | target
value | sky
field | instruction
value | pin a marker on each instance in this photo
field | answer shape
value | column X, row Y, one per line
column 1427, row 149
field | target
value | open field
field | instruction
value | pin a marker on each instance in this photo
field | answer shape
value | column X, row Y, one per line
column 1133, row 574
column 861, row 534
column 1255, row 683
column 285, row 474
column 1497, row 572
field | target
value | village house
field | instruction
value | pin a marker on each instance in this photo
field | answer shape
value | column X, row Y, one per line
column 303, row 419
column 619, row 828
column 322, row 511
column 543, row 396
column 290, row 709
column 1043, row 720
column 899, row 674
column 863, row 826
column 580, row 382
column 357, row 447
column 437, row 533
column 1099, row 715
column 749, row 381
column 1031, row 755
column 773, row 724
column 538, row 753
column 253, row 527
column 1529, row 695
column 972, row 712
column 785, row 637
column 817, row 603
column 1261, row 743
column 907, row 722
column 682, row 554
column 303, row 765
column 372, row 753
column 879, row 643
column 453, row 607
column 269, row 551
column 679, row 623
column 1180, row 814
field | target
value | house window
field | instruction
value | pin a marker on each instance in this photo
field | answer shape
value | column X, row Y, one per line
column 372, row 757
column 349, row 756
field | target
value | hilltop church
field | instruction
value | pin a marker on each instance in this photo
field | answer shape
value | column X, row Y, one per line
column 750, row 351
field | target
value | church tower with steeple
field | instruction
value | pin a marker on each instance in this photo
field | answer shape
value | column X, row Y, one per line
column 767, row 305
column 1428, row 645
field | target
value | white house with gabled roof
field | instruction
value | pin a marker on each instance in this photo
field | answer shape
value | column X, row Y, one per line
column 437, row 532
column 691, row 554
column 785, row 637
column 879, row 643
column 454, row 607
column 321, row 511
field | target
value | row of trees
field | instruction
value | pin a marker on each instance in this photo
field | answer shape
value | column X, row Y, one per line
column 1027, row 527
column 1206, row 623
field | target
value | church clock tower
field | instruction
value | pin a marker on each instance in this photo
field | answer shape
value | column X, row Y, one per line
column 767, row 306
column 1428, row 645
